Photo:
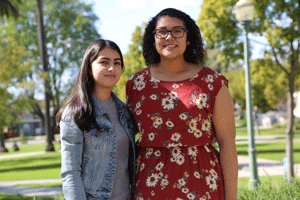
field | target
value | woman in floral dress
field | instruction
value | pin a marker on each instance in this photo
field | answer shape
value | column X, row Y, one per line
column 181, row 108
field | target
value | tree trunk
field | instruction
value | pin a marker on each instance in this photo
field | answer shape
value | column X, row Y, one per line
column 289, row 130
column 2, row 143
column 43, row 53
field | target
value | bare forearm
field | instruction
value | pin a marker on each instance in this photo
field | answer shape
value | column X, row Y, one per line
column 229, row 164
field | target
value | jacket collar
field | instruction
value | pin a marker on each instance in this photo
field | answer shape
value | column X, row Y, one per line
column 99, row 111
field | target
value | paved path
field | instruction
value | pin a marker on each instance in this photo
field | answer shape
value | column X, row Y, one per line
column 265, row 167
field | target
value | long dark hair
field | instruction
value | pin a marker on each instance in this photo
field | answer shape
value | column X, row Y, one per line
column 80, row 100
column 194, row 52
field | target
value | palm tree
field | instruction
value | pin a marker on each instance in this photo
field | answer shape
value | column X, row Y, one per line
column 8, row 8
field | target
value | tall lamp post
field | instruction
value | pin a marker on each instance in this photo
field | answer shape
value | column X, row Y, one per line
column 244, row 12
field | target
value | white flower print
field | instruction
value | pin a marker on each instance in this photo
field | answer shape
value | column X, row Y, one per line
column 154, row 80
column 160, row 175
column 138, row 112
column 138, row 105
column 139, row 79
column 206, row 148
column 152, row 180
column 183, row 116
column 197, row 174
column 155, row 124
column 193, row 124
column 153, row 97
column 158, row 120
column 169, row 124
column 141, row 86
column 190, row 196
column 197, row 133
column 176, row 151
column 180, row 159
column 151, row 136
column 149, row 151
column 192, row 150
column 210, row 78
column 164, row 182
column 173, row 159
column 167, row 103
column 212, row 163
column 181, row 182
column 204, row 97
column 157, row 153
column 142, row 166
column 175, row 137
column 175, row 86
column 200, row 103
column 185, row 190
column 159, row 166
column 211, row 182
column 170, row 145
column 210, row 86
column 206, row 125
column 179, row 199
column 213, row 173
column 173, row 95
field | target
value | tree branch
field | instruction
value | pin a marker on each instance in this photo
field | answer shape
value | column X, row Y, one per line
column 277, row 61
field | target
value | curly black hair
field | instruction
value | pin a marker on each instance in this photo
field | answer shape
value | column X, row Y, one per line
column 194, row 52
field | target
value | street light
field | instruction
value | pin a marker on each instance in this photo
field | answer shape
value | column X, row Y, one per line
column 244, row 12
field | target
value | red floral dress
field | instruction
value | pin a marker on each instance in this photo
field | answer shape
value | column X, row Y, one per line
column 177, row 159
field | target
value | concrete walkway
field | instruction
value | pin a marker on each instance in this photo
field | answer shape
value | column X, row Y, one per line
column 265, row 167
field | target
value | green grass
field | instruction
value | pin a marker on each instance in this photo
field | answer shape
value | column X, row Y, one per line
column 18, row 197
column 243, row 183
column 26, row 148
column 271, row 151
column 40, row 185
column 46, row 166
column 271, row 188
column 242, row 131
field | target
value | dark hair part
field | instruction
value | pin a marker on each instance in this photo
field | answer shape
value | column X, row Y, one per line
column 80, row 100
column 194, row 52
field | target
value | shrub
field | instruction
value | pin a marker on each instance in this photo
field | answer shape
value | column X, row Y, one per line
column 23, row 137
column 269, row 190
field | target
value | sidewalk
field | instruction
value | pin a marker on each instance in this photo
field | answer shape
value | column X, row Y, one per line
column 6, row 187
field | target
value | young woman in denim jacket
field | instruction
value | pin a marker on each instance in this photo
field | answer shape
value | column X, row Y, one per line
column 97, row 130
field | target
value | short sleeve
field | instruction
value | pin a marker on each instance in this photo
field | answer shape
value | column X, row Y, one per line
column 217, row 85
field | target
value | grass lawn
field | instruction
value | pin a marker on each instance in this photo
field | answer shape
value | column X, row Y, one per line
column 40, row 185
column 271, row 151
column 18, row 197
column 46, row 166
column 26, row 148
column 242, row 131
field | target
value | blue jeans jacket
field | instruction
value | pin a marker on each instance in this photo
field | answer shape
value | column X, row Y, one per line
column 89, row 158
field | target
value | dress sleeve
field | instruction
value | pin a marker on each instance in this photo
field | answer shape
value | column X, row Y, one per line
column 71, row 159
column 218, row 83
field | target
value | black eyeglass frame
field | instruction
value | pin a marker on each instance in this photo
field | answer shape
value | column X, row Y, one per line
column 170, row 31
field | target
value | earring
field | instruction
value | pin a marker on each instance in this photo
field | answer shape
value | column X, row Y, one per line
column 188, row 43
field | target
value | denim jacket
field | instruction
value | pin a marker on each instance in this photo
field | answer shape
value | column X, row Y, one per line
column 89, row 157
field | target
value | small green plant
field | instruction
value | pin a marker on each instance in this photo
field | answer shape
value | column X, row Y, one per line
column 60, row 197
column 274, row 191
column 23, row 137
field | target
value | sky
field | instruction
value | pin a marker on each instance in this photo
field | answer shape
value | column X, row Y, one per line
column 119, row 18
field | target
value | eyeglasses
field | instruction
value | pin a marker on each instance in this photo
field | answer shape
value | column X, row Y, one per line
column 176, row 33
